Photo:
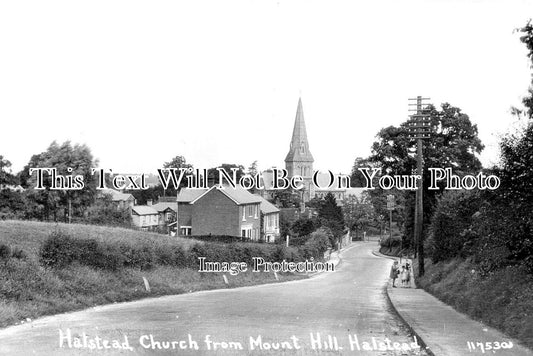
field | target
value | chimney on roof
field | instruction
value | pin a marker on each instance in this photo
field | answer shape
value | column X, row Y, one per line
column 149, row 202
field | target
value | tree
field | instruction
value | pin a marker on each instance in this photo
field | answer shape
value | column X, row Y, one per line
column 358, row 215
column 286, row 198
column 451, row 222
column 6, row 178
column 527, row 39
column 331, row 216
column 357, row 180
column 68, row 160
column 454, row 143
column 213, row 173
column 105, row 212
column 304, row 226
column 176, row 162
column 253, row 171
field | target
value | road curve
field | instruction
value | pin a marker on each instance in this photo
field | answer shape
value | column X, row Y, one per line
column 335, row 313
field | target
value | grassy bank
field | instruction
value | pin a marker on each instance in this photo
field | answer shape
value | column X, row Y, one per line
column 30, row 288
column 502, row 299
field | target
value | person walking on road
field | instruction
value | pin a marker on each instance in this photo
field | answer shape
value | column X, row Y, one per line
column 404, row 276
column 394, row 271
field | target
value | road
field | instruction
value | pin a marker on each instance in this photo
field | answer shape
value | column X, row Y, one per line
column 334, row 313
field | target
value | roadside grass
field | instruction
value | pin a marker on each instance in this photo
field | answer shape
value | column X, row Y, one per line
column 30, row 290
column 29, row 235
column 501, row 299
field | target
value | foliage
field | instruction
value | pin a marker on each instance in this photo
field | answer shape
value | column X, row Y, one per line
column 286, row 198
column 213, row 174
column 6, row 177
column 304, row 226
column 252, row 171
column 54, row 204
column 357, row 180
column 27, row 290
column 7, row 252
column 450, row 233
column 501, row 299
column 358, row 215
column 527, row 39
column 12, row 204
column 454, row 143
column 105, row 212
column 331, row 216
column 176, row 162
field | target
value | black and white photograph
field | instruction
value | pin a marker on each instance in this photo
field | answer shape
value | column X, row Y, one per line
column 279, row 177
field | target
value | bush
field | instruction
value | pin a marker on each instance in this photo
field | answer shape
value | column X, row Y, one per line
column 142, row 257
column 317, row 244
column 5, row 252
column 450, row 224
column 59, row 250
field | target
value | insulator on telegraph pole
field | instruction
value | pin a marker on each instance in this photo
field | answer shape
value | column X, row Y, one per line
column 419, row 127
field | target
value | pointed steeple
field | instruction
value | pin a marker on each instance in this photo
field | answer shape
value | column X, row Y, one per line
column 299, row 149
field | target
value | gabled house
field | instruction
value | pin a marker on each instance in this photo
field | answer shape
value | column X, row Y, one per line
column 219, row 211
column 269, row 221
column 168, row 212
column 145, row 217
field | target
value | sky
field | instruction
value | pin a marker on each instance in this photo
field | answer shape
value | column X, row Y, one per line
column 140, row 82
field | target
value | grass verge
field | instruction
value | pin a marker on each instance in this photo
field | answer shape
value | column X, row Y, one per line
column 29, row 289
column 502, row 299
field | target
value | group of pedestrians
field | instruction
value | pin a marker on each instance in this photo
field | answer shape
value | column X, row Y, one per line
column 404, row 274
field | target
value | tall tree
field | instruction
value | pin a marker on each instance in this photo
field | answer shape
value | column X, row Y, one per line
column 213, row 173
column 176, row 162
column 330, row 215
column 357, row 180
column 68, row 160
column 253, row 171
column 454, row 143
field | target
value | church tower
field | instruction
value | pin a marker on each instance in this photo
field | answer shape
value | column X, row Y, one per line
column 299, row 160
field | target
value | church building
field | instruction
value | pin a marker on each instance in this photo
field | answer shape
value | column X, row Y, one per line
column 299, row 160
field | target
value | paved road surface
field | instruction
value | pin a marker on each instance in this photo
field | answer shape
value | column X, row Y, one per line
column 347, row 309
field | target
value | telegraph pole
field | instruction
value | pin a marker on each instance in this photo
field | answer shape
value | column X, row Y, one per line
column 419, row 128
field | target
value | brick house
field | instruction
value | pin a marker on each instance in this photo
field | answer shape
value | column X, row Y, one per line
column 219, row 211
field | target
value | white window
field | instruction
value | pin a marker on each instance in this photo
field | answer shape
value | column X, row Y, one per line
column 185, row 230
column 244, row 213
column 256, row 208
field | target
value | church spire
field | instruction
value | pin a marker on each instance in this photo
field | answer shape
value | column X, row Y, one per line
column 299, row 149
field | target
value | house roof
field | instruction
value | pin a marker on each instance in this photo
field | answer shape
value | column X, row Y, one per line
column 144, row 210
column 267, row 207
column 187, row 195
column 238, row 194
column 162, row 206
column 116, row 195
